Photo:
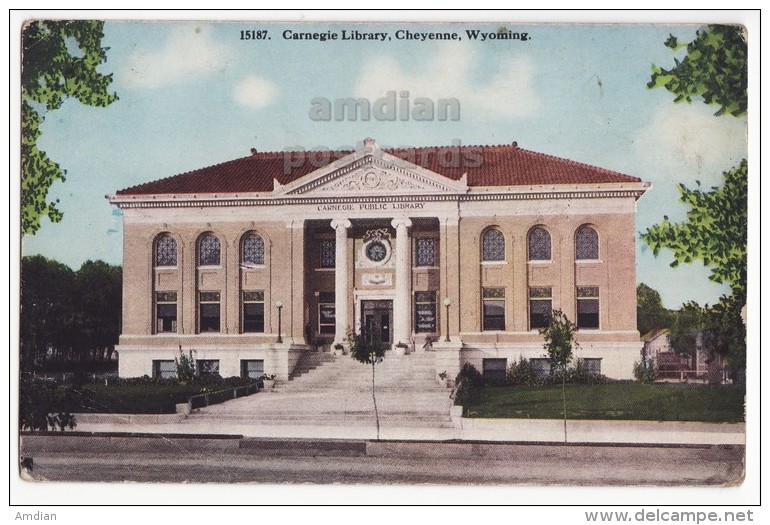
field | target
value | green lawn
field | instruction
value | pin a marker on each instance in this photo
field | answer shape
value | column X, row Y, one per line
column 125, row 397
column 635, row 401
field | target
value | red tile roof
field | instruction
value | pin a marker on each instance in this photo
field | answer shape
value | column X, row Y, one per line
column 505, row 165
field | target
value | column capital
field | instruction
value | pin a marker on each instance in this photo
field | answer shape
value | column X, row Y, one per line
column 406, row 222
column 341, row 223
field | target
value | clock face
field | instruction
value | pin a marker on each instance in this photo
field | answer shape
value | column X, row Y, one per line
column 376, row 251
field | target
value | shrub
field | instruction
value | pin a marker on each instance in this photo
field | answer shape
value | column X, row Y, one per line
column 644, row 372
column 521, row 373
column 468, row 385
column 578, row 375
column 185, row 367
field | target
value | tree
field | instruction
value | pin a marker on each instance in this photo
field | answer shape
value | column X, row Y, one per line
column 650, row 313
column 725, row 333
column 59, row 60
column 366, row 348
column 559, row 338
column 687, row 329
column 68, row 314
column 99, row 288
column 715, row 231
column 714, row 69
column 47, row 309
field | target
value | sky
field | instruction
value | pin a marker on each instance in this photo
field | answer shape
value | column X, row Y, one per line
column 193, row 94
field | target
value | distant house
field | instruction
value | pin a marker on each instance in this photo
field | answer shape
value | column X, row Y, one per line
column 702, row 364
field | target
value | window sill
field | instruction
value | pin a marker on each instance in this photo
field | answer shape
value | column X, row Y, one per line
column 549, row 261
column 494, row 263
column 588, row 261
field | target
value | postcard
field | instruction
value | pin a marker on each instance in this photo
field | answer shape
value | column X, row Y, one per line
column 406, row 253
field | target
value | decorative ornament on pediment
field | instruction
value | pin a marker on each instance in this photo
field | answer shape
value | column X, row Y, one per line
column 378, row 234
column 372, row 179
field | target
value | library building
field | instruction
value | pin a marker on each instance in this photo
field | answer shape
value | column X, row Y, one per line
column 459, row 251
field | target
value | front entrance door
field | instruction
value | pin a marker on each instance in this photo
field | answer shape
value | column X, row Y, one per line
column 376, row 317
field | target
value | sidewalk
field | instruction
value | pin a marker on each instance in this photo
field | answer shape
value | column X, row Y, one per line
column 466, row 429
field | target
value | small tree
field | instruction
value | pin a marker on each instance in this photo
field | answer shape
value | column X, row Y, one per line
column 559, row 338
column 365, row 348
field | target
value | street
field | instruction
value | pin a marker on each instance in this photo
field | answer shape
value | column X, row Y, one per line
column 396, row 463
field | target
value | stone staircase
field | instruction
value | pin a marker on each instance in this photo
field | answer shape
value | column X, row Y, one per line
column 326, row 390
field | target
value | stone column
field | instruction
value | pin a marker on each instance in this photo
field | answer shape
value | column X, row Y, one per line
column 402, row 325
column 341, row 279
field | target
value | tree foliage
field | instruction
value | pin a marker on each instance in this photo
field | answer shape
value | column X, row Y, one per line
column 68, row 315
column 714, row 69
column 60, row 60
column 650, row 313
column 715, row 231
column 559, row 338
column 687, row 328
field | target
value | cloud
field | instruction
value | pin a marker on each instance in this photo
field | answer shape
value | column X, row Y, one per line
column 189, row 51
column 689, row 141
column 254, row 92
column 452, row 72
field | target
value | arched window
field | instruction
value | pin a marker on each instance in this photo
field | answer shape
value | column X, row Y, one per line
column 493, row 246
column 165, row 250
column 209, row 250
column 586, row 244
column 253, row 250
column 539, row 244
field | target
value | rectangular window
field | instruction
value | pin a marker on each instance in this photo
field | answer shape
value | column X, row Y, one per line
column 540, row 307
column 592, row 365
column 252, row 368
column 253, row 311
column 493, row 300
column 209, row 312
column 588, row 307
column 425, row 312
column 208, row 367
column 494, row 371
column 327, row 320
column 165, row 312
column 163, row 369
column 541, row 367
column 328, row 256
column 426, row 252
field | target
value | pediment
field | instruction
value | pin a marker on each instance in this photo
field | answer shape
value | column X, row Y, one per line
column 370, row 173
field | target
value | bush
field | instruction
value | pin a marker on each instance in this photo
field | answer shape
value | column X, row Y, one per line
column 521, row 373
column 578, row 375
column 468, row 385
column 644, row 372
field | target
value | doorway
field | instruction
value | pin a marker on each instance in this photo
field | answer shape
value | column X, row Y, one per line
column 376, row 319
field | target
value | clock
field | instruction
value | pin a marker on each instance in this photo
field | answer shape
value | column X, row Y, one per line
column 376, row 251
